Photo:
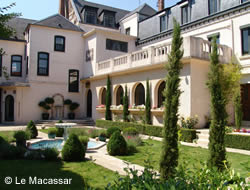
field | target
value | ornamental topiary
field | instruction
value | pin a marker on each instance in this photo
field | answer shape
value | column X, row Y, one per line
column 21, row 137
column 117, row 144
column 111, row 130
column 31, row 127
column 73, row 149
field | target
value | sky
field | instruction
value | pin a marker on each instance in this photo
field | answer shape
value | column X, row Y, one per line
column 40, row 9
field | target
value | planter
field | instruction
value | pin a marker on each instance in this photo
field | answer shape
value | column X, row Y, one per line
column 51, row 136
column 71, row 115
column 101, row 138
column 45, row 116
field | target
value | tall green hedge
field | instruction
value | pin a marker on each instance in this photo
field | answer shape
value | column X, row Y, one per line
column 188, row 135
column 237, row 141
column 150, row 130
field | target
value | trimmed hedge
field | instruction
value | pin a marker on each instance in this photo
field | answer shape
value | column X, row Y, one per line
column 237, row 141
column 188, row 135
column 150, row 130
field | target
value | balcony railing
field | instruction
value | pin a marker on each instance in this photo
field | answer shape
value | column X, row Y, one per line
column 193, row 48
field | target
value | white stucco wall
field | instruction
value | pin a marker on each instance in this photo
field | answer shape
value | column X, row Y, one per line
column 130, row 22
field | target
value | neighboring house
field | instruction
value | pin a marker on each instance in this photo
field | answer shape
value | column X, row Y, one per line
column 69, row 56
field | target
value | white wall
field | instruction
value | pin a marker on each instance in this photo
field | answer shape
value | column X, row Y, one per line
column 130, row 22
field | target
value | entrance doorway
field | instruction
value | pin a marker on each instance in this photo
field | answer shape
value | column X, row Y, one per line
column 9, row 108
column 245, row 100
column 89, row 104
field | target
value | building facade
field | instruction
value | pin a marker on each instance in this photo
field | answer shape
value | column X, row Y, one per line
column 70, row 55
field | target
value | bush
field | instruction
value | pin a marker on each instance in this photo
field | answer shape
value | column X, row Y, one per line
column 111, row 130
column 50, row 154
column 188, row 135
column 67, row 102
column 33, row 155
column 73, row 149
column 21, row 137
column 11, row 152
column 84, row 140
column 117, row 144
column 237, row 141
column 73, row 106
column 59, row 132
column 136, row 140
column 93, row 133
column 32, row 128
column 78, row 132
column 52, row 131
column 131, row 148
column 131, row 131
column 150, row 130
column 49, row 100
column 189, row 122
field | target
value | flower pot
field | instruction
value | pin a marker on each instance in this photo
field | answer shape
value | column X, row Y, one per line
column 101, row 138
column 45, row 116
column 51, row 136
column 71, row 115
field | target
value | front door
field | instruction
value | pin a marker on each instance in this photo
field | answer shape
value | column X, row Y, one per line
column 9, row 108
column 89, row 104
column 245, row 98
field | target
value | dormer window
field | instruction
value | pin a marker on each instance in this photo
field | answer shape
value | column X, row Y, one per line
column 184, row 14
column 90, row 17
column 213, row 6
column 163, row 23
column 109, row 21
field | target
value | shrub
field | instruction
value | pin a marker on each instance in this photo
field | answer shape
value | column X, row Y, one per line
column 32, row 128
column 21, row 137
column 78, row 132
column 93, row 133
column 52, row 131
column 131, row 131
column 50, row 154
column 49, row 100
column 237, row 141
column 10, row 152
column 102, row 134
column 33, row 155
column 117, row 144
column 150, row 130
column 188, row 135
column 73, row 149
column 136, row 140
column 73, row 106
column 111, row 130
column 60, row 121
column 59, row 132
column 189, row 122
column 84, row 140
column 67, row 102
column 131, row 148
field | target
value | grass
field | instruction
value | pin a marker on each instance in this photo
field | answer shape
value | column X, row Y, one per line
column 8, row 135
column 151, row 150
column 80, row 172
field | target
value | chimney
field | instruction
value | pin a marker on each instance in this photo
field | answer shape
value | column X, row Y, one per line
column 62, row 7
column 161, row 5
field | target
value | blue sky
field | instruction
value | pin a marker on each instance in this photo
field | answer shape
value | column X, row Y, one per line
column 39, row 9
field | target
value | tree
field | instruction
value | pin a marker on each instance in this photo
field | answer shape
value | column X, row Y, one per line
column 148, row 104
column 169, row 156
column 108, row 114
column 125, row 105
column 216, row 145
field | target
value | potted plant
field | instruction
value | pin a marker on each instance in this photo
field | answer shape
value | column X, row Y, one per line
column 46, row 108
column 52, row 133
column 73, row 106
column 102, row 137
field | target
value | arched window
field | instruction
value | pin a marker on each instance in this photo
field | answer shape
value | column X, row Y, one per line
column 139, row 95
column 119, row 96
column 161, row 98
column 103, row 96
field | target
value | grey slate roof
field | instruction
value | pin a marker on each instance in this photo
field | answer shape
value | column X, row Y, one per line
column 144, row 9
column 19, row 25
column 81, row 3
column 59, row 22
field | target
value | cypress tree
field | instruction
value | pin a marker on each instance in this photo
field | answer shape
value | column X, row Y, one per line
column 148, row 104
column 170, row 154
column 108, row 114
column 216, row 145
column 237, row 110
column 125, row 105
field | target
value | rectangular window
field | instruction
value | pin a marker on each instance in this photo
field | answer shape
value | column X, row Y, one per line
column 27, row 65
column 90, row 17
column 245, row 41
column 43, row 64
column 59, row 43
column 213, row 6
column 210, row 38
column 184, row 14
column 89, row 54
column 73, row 80
column 16, row 65
column 116, row 45
column 163, row 23
column 1, row 64
column 109, row 21
column 127, row 31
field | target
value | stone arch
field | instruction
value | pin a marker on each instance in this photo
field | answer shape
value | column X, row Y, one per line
column 159, row 98
column 118, row 95
column 102, row 95
column 138, row 94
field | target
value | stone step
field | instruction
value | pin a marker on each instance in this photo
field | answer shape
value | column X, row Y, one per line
column 203, row 136
column 203, row 131
column 203, row 141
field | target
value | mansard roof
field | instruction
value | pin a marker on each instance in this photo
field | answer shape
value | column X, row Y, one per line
column 80, row 4
column 59, row 22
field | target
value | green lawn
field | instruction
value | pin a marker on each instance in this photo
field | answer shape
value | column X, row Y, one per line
column 96, row 176
column 8, row 135
column 152, row 149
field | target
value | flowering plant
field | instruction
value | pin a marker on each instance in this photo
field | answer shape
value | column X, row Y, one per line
column 189, row 122
column 100, row 106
